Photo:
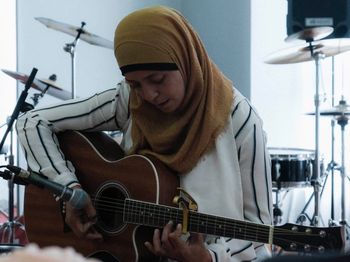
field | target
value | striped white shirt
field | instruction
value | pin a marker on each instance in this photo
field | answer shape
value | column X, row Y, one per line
column 233, row 180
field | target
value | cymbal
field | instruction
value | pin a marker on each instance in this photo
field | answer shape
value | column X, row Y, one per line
column 50, row 83
column 311, row 34
column 73, row 31
column 44, row 85
column 301, row 53
column 342, row 109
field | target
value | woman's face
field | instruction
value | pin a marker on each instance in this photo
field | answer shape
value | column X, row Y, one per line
column 163, row 89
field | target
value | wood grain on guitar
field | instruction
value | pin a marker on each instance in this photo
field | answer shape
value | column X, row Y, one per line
column 133, row 195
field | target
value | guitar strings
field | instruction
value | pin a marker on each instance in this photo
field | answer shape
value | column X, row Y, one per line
column 245, row 229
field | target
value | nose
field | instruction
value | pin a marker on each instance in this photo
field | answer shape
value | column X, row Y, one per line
column 149, row 93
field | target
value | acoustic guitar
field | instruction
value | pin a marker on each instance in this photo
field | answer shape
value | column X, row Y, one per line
column 132, row 196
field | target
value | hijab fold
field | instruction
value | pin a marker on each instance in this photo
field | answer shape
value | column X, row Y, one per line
column 179, row 139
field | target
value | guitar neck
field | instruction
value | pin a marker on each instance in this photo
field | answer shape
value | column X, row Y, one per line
column 150, row 214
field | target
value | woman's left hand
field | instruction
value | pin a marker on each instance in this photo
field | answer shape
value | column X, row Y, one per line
column 168, row 243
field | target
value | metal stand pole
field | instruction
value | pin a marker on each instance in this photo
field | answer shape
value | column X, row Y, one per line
column 342, row 121
column 21, row 104
column 70, row 48
column 315, row 182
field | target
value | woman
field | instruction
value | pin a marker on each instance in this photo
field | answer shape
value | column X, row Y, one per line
column 176, row 106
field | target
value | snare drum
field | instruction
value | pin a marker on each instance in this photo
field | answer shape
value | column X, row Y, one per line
column 292, row 167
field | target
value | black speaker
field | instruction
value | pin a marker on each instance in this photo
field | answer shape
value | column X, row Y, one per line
column 304, row 14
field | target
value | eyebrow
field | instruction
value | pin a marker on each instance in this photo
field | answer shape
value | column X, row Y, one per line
column 146, row 77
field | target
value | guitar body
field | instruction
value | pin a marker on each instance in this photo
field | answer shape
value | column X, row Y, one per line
column 104, row 173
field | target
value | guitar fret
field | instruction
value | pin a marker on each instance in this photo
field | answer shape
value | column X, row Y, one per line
column 218, row 226
column 150, row 214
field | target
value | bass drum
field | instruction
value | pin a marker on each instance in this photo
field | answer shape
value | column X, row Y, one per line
column 292, row 167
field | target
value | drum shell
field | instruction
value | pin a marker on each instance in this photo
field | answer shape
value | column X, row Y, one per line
column 292, row 167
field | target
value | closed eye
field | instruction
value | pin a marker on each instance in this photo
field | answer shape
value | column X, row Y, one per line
column 158, row 79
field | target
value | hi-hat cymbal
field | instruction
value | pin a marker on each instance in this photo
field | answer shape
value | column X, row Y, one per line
column 73, row 31
column 311, row 34
column 44, row 85
column 301, row 53
column 342, row 109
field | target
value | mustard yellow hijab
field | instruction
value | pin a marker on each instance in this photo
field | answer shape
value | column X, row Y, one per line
column 162, row 35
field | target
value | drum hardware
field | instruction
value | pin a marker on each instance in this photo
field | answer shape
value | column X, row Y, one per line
column 10, row 225
column 312, row 51
column 78, row 33
column 306, row 52
column 311, row 34
column 342, row 121
column 277, row 212
column 291, row 167
column 45, row 86
column 340, row 114
column 303, row 216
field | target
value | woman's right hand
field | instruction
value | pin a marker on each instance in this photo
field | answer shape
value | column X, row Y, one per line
column 82, row 221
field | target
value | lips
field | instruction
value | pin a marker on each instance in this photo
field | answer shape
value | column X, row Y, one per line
column 162, row 103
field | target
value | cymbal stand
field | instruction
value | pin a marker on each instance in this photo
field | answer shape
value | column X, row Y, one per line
column 342, row 121
column 332, row 164
column 10, row 225
column 70, row 48
column 37, row 96
column 315, row 183
column 20, row 106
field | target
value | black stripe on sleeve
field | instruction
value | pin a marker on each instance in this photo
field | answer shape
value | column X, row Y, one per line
column 63, row 105
column 267, row 183
column 54, row 138
column 258, row 246
column 74, row 102
column 215, row 255
column 44, row 147
column 29, row 146
column 241, row 250
column 80, row 115
column 99, row 124
column 235, row 109
column 245, row 122
column 252, row 175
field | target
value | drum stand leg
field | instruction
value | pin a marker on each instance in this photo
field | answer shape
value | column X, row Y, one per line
column 277, row 212
column 277, row 218
column 8, row 229
column 303, row 216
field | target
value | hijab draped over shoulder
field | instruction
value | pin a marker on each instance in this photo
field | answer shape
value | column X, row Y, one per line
column 159, row 37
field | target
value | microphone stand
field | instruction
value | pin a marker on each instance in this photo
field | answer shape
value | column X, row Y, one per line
column 70, row 48
column 20, row 106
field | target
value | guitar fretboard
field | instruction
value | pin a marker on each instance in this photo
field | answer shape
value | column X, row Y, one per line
column 150, row 214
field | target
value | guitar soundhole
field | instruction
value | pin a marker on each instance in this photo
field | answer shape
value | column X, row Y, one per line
column 109, row 204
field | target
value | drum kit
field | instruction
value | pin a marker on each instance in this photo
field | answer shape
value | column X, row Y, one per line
column 44, row 86
column 293, row 167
